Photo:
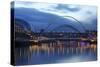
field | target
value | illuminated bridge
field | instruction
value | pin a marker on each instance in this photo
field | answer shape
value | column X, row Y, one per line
column 53, row 32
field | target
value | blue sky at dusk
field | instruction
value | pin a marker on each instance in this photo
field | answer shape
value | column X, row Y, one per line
column 41, row 15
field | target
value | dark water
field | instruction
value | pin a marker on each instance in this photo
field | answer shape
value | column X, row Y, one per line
column 44, row 54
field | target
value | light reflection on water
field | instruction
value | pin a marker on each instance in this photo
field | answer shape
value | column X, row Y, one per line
column 44, row 54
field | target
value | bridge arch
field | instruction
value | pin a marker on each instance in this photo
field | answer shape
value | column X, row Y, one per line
column 69, row 25
column 77, row 21
column 66, row 28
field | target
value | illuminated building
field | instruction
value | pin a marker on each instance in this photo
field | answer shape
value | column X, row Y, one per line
column 22, row 30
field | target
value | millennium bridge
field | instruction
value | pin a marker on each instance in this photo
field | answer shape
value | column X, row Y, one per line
column 23, row 33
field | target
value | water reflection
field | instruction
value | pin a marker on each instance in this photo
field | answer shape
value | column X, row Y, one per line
column 46, row 53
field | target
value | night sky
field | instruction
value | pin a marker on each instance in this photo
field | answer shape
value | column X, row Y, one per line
column 57, row 17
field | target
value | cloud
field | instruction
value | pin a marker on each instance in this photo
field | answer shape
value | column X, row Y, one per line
column 67, row 7
column 84, row 14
